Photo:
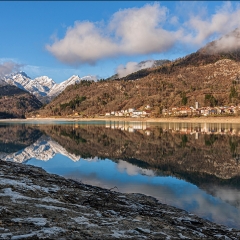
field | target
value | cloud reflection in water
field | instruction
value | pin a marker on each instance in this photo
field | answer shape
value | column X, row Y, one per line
column 129, row 178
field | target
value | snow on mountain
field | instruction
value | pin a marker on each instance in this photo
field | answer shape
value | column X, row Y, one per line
column 41, row 86
column 19, row 79
column 43, row 149
column 58, row 88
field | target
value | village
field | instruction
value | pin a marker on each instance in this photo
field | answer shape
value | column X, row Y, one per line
column 177, row 111
column 131, row 112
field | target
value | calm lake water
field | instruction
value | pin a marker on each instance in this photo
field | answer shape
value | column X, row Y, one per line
column 195, row 167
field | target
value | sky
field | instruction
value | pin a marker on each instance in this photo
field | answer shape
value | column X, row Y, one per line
column 100, row 38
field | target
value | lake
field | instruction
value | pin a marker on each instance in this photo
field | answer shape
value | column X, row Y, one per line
column 195, row 167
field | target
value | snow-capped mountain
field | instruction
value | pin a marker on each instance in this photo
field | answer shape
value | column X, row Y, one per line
column 40, row 85
column 58, row 88
column 43, row 149
column 44, row 88
column 20, row 79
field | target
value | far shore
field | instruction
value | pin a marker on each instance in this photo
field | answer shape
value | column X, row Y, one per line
column 208, row 119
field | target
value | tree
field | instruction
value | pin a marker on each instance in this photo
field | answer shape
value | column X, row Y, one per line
column 184, row 98
column 210, row 100
column 233, row 93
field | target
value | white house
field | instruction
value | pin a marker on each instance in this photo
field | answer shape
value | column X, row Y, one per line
column 131, row 110
column 138, row 113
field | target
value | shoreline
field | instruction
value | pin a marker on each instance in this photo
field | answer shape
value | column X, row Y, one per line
column 117, row 119
column 38, row 205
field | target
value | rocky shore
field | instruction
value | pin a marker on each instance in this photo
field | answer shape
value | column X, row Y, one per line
column 37, row 205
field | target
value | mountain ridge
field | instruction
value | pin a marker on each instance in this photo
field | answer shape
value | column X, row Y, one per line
column 16, row 102
column 170, row 85
column 43, row 87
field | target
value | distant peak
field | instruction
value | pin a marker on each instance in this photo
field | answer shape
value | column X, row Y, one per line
column 23, row 74
column 16, row 74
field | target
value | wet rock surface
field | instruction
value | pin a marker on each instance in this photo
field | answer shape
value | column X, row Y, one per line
column 38, row 205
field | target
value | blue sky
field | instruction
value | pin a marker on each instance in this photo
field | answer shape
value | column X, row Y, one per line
column 59, row 39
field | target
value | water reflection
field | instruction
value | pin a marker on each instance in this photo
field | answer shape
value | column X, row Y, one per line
column 130, row 178
column 17, row 137
column 185, row 128
column 191, row 166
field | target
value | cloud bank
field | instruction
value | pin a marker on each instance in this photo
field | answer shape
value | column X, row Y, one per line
column 226, row 43
column 139, row 31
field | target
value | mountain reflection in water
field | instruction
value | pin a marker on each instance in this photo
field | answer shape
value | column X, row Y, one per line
column 192, row 166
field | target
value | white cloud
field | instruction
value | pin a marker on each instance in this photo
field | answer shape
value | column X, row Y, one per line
column 124, row 71
column 200, row 28
column 174, row 20
column 227, row 43
column 131, row 67
column 84, row 43
column 132, row 170
column 227, row 195
column 139, row 31
column 129, row 32
column 9, row 67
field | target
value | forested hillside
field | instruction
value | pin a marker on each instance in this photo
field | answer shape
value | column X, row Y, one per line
column 15, row 102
